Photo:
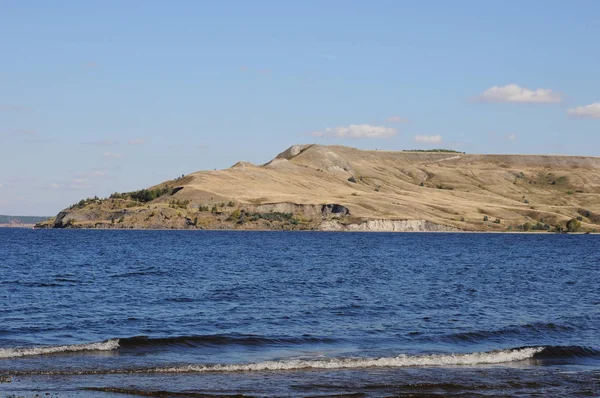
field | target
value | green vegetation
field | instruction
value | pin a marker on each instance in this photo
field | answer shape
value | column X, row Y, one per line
column 235, row 216
column 573, row 225
column 84, row 202
column 274, row 216
column 176, row 203
column 143, row 195
column 539, row 226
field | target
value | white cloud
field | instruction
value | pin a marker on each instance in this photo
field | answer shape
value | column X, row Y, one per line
column 90, row 174
column 515, row 93
column 54, row 186
column 112, row 155
column 137, row 141
column 591, row 111
column 357, row 131
column 396, row 119
column 512, row 137
column 428, row 139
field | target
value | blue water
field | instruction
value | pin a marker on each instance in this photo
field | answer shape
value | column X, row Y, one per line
column 105, row 313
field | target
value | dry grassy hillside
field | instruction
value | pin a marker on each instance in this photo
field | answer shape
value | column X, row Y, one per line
column 455, row 190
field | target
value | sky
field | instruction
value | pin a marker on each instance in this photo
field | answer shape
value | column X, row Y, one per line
column 113, row 96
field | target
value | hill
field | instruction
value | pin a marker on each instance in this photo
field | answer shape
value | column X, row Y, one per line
column 342, row 188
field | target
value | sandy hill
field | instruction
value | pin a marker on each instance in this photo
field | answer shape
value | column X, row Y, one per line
column 336, row 187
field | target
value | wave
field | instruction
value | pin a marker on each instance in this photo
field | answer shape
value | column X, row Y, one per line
column 221, row 339
column 141, row 342
column 565, row 352
column 535, row 329
column 433, row 360
column 107, row 345
column 145, row 341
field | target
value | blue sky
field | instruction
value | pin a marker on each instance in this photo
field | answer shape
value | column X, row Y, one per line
column 98, row 97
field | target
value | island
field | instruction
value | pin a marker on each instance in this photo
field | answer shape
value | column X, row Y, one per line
column 338, row 188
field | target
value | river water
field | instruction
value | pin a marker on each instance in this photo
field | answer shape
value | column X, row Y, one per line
column 198, row 313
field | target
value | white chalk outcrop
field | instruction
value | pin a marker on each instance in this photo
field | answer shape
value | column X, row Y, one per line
column 387, row 226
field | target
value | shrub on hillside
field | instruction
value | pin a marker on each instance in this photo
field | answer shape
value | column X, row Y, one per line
column 573, row 225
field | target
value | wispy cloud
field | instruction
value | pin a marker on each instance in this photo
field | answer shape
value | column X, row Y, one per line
column 515, row 93
column 396, row 119
column 137, row 141
column 12, row 108
column 25, row 132
column 357, row 131
column 91, row 174
column 106, row 142
column 112, row 155
column 591, row 111
column 29, row 136
column 75, row 183
column 90, row 65
column 21, row 180
column 498, row 137
column 428, row 139
column 79, row 183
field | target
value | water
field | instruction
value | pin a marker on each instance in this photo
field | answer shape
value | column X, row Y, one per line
column 127, row 313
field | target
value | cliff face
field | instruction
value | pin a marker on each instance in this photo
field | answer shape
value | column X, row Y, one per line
column 387, row 226
column 341, row 188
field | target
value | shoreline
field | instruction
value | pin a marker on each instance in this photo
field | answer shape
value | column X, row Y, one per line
column 323, row 231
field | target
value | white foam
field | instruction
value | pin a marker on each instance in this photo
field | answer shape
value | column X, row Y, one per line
column 478, row 358
column 107, row 345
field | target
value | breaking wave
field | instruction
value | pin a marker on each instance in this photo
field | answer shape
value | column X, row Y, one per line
column 132, row 343
column 335, row 363
column 107, row 345
column 478, row 358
